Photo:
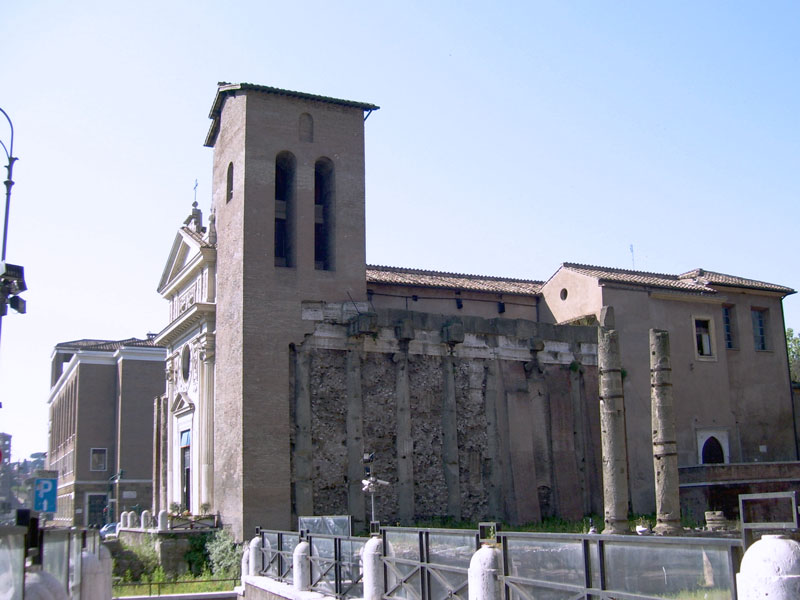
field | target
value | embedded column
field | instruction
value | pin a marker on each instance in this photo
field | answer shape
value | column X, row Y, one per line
column 405, row 442
column 355, row 433
column 452, row 334
column 303, row 488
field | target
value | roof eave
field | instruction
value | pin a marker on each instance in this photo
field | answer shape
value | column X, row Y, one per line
column 224, row 90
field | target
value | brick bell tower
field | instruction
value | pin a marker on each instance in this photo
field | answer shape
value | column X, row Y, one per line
column 288, row 195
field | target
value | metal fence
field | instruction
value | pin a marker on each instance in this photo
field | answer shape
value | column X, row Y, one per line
column 335, row 561
column 432, row 564
column 561, row 566
column 58, row 550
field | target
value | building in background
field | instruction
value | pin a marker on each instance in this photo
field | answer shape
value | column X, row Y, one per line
column 101, row 426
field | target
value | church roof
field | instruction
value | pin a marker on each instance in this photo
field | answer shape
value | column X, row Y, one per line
column 697, row 281
column 460, row 281
column 107, row 345
column 226, row 88
column 734, row 281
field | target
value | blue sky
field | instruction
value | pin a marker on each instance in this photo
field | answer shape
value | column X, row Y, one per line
column 511, row 137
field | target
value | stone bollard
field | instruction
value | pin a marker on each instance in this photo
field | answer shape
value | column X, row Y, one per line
column 482, row 574
column 123, row 519
column 133, row 520
column 163, row 520
column 255, row 556
column 147, row 519
column 41, row 585
column 94, row 578
column 245, row 564
column 770, row 569
column 301, row 564
column 372, row 565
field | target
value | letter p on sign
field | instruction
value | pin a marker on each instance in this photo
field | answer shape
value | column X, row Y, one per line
column 44, row 497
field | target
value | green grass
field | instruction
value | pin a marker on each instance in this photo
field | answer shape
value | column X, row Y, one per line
column 159, row 585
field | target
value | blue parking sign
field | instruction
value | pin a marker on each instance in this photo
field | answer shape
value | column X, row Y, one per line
column 44, row 495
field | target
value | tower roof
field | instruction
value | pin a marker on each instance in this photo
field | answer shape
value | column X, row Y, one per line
column 226, row 89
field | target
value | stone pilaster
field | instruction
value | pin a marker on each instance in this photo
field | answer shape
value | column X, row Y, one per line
column 170, row 442
column 206, row 395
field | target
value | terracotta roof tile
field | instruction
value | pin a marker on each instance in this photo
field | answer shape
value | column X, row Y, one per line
column 734, row 281
column 642, row 278
column 696, row 281
column 459, row 281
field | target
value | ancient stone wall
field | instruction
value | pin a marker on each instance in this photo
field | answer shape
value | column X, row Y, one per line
column 502, row 419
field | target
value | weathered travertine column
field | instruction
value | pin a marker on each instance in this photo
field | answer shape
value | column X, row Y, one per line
column 665, row 451
column 450, row 437
column 303, row 449
column 355, row 435
column 612, row 426
column 405, row 441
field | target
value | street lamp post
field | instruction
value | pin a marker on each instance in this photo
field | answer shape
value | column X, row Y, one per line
column 12, row 277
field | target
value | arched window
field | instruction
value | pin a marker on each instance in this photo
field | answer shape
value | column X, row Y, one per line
column 324, row 200
column 284, row 209
column 229, row 184
column 306, row 127
column 712, row 452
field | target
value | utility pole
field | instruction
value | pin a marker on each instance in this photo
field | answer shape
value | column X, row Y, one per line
column 12, row 277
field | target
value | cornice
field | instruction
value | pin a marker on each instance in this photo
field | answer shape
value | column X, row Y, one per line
column 199, row 312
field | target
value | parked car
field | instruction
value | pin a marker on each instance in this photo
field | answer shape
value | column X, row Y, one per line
column 109, row 530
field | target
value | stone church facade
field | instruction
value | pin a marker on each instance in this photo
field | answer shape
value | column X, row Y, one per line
column 288, row 357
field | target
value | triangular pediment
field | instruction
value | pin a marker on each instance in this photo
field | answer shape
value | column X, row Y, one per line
column 185, row 249
column 181, row 404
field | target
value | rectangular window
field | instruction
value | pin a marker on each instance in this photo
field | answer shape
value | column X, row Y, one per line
column 728, row 322
column 759, row 316
column 97, row 460
column 702, row 332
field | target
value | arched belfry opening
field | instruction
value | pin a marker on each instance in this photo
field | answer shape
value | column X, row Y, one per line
column 285, row 210
column 324, row 226
column 712, row 452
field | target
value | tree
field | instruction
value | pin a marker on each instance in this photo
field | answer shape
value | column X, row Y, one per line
column 793, row 346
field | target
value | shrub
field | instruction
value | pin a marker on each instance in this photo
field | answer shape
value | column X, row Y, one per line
column 196, row 556
column 224, row 554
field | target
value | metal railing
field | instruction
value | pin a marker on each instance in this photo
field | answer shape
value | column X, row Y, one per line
column 554, row 566
column 427, row 564
column 432, row 564
column 58, row 551
column 335, row 561
column 172, row 587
